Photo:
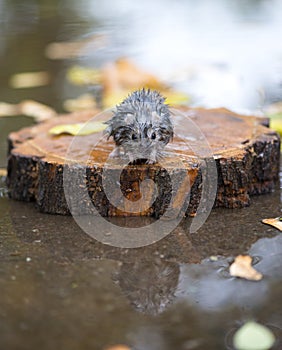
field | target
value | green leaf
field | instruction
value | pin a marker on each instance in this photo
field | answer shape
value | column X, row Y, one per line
column 78, row 129
column 253, row 336
column 276, row 122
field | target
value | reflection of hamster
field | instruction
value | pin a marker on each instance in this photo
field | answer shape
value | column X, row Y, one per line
column 141, row 125
column 149, row 285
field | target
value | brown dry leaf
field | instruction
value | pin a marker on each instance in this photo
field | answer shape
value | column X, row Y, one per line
column 120, row 78
column 125, row 75
column 29, row 80
column 242, row 267
column 118, row 347
column 37, row 110
column 276, row 222
column 81, row 103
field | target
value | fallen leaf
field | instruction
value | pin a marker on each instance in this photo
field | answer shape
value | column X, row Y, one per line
column 78, row 129
column 112, row 99
column 78, row 75
column 30, row 108
column 120, row 78
column 276, row 222
column 242, row 267
column 275, row 122
column 176, row 98
column 118, row 347
column 69, row 49
column 8, row 109
column 3, row 172
column 124, row 74
column 253, row 336
column 172, row 98
column 29, row 80
column 36, row 110
column 83, row 102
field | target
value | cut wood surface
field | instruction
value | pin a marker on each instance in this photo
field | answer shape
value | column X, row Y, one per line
column 245, row 151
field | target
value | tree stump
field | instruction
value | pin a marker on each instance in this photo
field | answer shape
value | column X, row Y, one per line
column 246, row 155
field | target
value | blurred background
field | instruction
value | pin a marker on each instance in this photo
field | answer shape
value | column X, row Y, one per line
column 220, row 53
column 73, row 55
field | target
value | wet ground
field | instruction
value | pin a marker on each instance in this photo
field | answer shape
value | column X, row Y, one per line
column 60, row 289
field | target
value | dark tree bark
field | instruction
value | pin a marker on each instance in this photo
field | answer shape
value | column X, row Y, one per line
column 245, row 151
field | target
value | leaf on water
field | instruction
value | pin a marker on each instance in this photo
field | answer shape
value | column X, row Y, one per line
column 274, row 113
column 36, row 110
column 172, row 98
column 176, row 98
column 112, row 99
column 253, row 336
column 30, row 108
column 83, row 76
column 276, row 222
column 242, row 267
column 29, row 80
column 120, row 78
column 81, row 103
column 276, row 123
column 69, row 49
column 118, row 347
column 3, row 172
column 79, row 129
column 123, row 74
column 8, row 109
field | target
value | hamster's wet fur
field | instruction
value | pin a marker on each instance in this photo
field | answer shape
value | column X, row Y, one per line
column 142, row 126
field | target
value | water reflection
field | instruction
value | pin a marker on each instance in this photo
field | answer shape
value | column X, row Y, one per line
column 176, row 268
column 221, row 53
column 149, row 285
column 218, row 52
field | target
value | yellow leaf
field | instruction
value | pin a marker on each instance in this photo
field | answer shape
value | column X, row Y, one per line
column 83, row 76
column 29, row 80
column 3, row 172
column 176, row 98
column 172, row 98
column 78, row 129
column 113, row 99
column 276, row 222
column 276, row 124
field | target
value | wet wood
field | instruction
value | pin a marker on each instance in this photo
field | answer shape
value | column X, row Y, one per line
column 246, row 154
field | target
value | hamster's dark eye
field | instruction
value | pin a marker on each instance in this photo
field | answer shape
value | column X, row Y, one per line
column 153, row 136
column 134, row 137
